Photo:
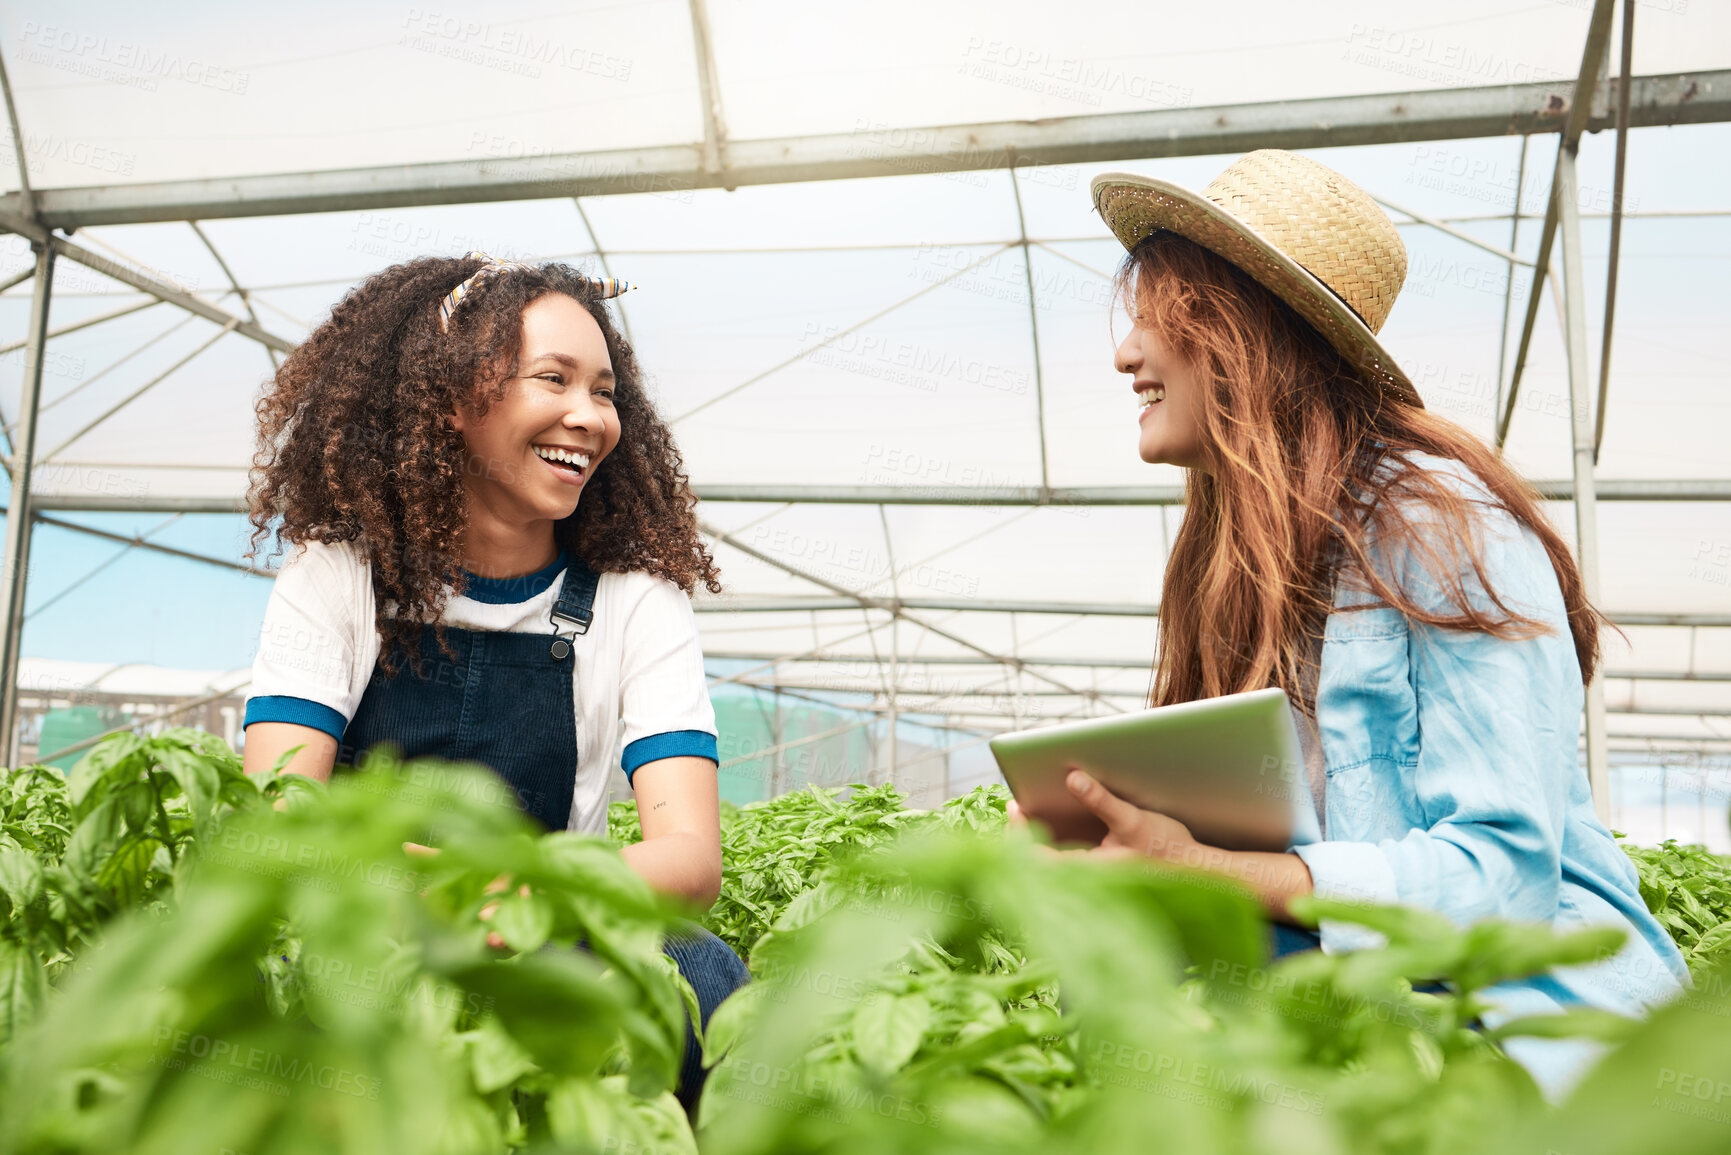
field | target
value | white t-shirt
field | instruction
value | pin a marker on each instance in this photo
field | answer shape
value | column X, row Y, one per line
column 638, row 687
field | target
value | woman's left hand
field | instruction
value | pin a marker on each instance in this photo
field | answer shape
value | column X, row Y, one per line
column 1131, row 830
column 495, row 940
column 1275, row 879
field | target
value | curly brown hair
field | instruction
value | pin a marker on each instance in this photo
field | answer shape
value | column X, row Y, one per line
column 356, row 442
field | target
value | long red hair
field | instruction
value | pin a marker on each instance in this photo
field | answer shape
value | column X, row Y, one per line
column 1307, row 464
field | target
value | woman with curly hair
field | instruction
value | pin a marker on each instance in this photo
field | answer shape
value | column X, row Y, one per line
column 1380, row 564
column 491, row 546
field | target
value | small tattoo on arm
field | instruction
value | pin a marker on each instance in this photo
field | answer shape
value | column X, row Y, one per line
column 658, row 806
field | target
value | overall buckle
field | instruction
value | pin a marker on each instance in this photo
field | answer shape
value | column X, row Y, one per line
column 578, row 619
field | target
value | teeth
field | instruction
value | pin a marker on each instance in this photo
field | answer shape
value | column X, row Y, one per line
column 567, row 456
column 1147, row 397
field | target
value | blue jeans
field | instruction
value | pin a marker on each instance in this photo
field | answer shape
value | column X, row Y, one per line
column 1291, row 940
column 714, row 972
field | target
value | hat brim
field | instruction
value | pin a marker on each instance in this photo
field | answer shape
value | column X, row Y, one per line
column 1135, row 207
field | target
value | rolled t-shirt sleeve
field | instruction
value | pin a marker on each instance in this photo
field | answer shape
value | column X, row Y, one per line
column 317, row 644
column 664, row 698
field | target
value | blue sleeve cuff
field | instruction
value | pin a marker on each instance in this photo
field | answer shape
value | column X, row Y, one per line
column 673, row 744
column 300, row 711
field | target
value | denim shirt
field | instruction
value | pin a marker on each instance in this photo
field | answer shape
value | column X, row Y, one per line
column 1454, row 782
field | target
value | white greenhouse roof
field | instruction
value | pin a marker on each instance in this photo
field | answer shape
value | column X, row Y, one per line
column 857, row 352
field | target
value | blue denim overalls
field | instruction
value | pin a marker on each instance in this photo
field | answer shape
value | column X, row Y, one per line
column 506, row 702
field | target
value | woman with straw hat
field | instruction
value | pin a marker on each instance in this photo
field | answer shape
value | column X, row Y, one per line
column 1379, row 563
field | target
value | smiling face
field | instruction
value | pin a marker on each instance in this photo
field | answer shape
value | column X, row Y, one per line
column 536, row 446
column 1169, row 398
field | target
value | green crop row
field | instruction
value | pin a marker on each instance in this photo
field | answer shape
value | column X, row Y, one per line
column 196, row 962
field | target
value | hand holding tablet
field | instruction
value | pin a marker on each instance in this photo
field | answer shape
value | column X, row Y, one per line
column 1228, row 770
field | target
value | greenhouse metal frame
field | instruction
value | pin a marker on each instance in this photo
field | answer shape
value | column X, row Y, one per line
column 910, row 685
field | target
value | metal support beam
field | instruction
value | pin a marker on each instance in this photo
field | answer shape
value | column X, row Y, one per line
column 1707, row 490
column 836, row 336
column 939, row 493
column 138, row 542
column 115, row 314
column 113, row 365
column 875, row 603
column 1575, row 120
column 1222, row 130
column 895, row 673
column 1586, row 508
column 767, row 658
column 1033, row 329
column 709, row 92
column 26, row 197
column 606, row 270
column 1509, row 286
column 1628, row 58
column 1507, row 254
column 37, row 234
column 139, row 392
column 852, row 601
column 18, row 522
column 234, row 282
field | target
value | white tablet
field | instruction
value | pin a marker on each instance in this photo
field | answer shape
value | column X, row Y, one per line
column 1229, row 768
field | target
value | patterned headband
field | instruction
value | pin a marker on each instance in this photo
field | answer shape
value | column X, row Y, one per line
column 605, row 287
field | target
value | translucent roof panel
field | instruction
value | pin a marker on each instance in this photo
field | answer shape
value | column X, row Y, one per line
column 115, row 93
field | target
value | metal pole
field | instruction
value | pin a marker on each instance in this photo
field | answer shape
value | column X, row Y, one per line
column 1509, row 289
column 777, row 735
column 866, row 151
column 1579, row 110
column 714, row 126
column 1033, row 328
column 1616, row 222
column 895, row 677
column 18, row 516
column 1567, row 200
column 950, row 735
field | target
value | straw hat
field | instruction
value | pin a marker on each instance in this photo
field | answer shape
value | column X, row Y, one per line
column 1307, row 234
